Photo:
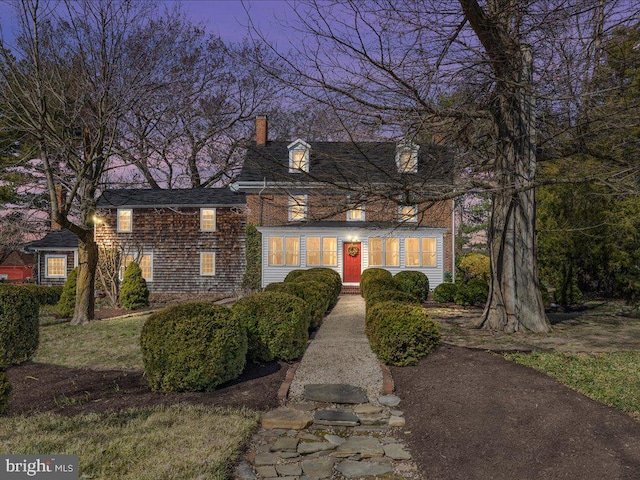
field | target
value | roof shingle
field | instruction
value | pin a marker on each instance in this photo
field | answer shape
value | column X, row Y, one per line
column 187, row 197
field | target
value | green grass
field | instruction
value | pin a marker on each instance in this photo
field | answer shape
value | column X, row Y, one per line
column 178, row 442
column 610, row 378
column 102, row 344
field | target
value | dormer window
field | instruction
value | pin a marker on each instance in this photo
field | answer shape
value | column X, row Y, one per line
column 299, row 156
column 407, row 157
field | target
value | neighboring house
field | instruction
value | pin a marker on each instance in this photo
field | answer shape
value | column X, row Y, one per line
column 348, row 206
column 56, row 256
column 16, row 266
column 185, row 240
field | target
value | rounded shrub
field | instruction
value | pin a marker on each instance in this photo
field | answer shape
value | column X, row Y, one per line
column 277, row 325
column 5, row 391
column 316, row 294
column 293, row 274
column 376, row 284
column 19, row 327
column 401, row 333
column 474, row 266
column 67, row 303
column 192, row 347
column 371, row 274
column 413, row 282
column 388, row 295
column 133, row 290
column 44, row 294
column 445, row 293
column 473, row 292
column 324, row 275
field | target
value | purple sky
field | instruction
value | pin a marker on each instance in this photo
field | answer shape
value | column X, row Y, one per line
column 226, row 18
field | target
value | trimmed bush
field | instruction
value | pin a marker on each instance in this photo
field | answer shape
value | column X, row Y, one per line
column 291, row 288
column 474, row 266
column 414, row 283
column 67, row 303
column 293, row 274
column 387, row 295
column 5, row 391
column 277, row 325
column 376, row 284
column 19, row 327
column 445, row 293
column 474, row 292
column 325, row 275
column 192, row 347
column 133, row 290
column 370, row 274
column 44, row 295
column 317, row 294
column 401, row 333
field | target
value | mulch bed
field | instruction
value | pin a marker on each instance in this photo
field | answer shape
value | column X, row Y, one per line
column 41, row 387
column 473, row 415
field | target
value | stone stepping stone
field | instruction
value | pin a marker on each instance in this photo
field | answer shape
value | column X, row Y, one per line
column 306, row 448
column 363, row 446
column 267, row 471
column 285, row 444
column 290, row 470
column 389, row 400
column 265, row 459
column 395, row 451
column 351, row 469
column 396, row 421
column 335, row 439
column 335, row 393
column 318, row 467
column 372, row 419
column 335, row 417
column 367, row 409
column 286, row 418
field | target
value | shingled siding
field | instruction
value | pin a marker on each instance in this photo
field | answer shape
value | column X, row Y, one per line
column 42, row 266
column 174, row 239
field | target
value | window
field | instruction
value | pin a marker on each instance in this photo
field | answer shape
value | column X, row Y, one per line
column 420, row 252
column 384, row 252
column 407, row 157
column 284, row 251
column 356, row 213
column 145, row 261
column 299, row 156
column 297, row 208
column 208, row 219
column 207, row 263
column 409, row 213
column 124, row 220
column 55, row 266
column 322, row 251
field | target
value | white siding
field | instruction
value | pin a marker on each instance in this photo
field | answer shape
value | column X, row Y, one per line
column 271, row 274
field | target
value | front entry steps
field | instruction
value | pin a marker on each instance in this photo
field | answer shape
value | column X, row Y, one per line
column 350, row 290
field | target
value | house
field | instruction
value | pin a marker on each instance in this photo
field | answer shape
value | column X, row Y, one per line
column 56, row 256
column 348, row 206
column 16, row 266
column 185, row 240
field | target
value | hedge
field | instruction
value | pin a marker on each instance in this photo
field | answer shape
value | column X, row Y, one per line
column 387, row 295
column 5, row 391
column 414, row 283
column 44, row 294
column 319, row 274
column 400, row 333
column 67, row 303
column 376, row 284
column 445, row 293
column 371, row 274
column 317, row 294
column 473, row 292
column 277, row 325
column 134, row 292
column 192, row 347
column 19, row 326
column 474, row 266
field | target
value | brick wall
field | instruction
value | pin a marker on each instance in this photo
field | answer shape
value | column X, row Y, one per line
column 175, row 239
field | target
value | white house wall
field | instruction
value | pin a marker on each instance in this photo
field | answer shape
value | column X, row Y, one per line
column 273, row 273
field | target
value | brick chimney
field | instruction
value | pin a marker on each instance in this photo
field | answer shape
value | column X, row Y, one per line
column 61, row 196
column 261, row 130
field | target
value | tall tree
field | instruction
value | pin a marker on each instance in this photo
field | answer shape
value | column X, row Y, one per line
column 479, row 72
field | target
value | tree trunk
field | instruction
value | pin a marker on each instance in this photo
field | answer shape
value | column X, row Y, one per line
column 87, row 266
column 515, row 302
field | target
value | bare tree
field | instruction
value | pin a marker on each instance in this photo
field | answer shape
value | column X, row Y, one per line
column 478, row 75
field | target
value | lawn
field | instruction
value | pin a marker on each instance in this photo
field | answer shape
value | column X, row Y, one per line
column 178, row 442
column 611, row 378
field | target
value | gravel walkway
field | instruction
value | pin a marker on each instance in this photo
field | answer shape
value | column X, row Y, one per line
column 340, row 352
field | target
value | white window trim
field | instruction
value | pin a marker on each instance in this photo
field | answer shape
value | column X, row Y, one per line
column 214, row 264
column 136, row 258
column 46, row 266
column 321, row 251
column 420, row 252
column 403, row 147
column 120, row 230
column 283, row 251
column 299, row 145
column 215, row 220
column 362, row 208
column 292, row 203
column 403, row 218
column 384, row 252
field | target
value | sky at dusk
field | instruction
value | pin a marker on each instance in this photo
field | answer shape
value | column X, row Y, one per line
column 226, row 18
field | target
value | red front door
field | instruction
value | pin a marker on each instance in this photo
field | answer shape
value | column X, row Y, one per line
column 352, row 269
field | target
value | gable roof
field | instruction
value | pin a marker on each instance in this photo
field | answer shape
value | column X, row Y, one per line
column 186, row 197
column 346, row 162
column 56, row 239
column 16, row 258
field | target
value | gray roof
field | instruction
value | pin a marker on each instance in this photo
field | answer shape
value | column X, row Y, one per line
column 353, row 225
column 187, row 197
column 55, row 239
column 346, row 162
